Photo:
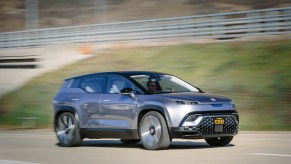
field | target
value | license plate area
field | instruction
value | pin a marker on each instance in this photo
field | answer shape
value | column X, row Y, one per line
column 218, row 124
column 218, row 121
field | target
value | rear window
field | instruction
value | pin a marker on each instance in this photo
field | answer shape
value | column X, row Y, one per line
column 93, row 84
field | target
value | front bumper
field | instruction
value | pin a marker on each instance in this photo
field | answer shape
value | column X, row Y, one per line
column 202, row 126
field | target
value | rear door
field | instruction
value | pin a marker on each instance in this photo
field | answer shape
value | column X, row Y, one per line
column 88, row 102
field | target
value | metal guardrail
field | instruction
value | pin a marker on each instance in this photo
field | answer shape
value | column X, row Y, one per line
column 212, row 26
column 19, row 62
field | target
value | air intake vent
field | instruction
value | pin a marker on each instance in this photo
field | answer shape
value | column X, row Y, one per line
column 207, row 127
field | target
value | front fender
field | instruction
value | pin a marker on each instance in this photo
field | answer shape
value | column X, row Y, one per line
column 160, row 108
column 64, row 108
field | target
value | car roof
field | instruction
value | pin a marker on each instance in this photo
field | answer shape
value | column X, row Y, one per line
column 122, row 73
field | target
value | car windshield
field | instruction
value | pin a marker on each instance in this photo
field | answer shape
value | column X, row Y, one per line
column 163, row 83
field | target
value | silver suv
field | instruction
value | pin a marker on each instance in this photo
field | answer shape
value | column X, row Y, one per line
column 135, row 106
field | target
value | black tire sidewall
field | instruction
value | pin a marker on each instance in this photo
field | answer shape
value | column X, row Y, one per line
column 76, row 134
column 164, row 131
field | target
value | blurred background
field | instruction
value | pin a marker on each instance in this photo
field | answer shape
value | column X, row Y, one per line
column 17, row 14
column 237, row 48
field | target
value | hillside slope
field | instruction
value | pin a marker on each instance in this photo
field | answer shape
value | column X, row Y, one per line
column 256, row 75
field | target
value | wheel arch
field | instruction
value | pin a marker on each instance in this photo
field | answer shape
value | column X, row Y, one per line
column 147, row 108
column 63, row 109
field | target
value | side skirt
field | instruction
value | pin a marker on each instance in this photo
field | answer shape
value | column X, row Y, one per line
column 109, row 133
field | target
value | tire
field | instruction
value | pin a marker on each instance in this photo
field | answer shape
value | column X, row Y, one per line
column 129, row 141
column 153, row 131
column 222, row 141
column 67, row 130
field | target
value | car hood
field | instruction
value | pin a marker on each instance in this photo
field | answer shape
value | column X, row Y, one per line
column 192, row 96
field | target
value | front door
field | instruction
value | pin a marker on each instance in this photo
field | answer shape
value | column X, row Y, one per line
column 117, row 110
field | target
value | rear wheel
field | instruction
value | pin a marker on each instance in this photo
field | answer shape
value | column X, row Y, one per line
column 221, row 141
column 67, row 130
column 129, row 141
column 153, row 131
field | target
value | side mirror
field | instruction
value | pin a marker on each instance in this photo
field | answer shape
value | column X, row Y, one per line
column 128, row 91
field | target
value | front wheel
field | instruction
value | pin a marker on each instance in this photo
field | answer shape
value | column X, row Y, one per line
column 222, row 141
column 67, row 130
column 153, row 131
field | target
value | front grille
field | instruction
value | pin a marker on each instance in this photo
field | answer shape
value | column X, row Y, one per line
column 207, row 127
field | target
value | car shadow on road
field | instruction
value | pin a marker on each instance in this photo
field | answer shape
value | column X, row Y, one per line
column 192, row 145
column 109, row 143
column 174, row 144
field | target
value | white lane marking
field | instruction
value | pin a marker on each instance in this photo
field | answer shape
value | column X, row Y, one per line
column 263, row 139
column 266, row 154
column 27, row 134
column 264, row 134
column 14, row 162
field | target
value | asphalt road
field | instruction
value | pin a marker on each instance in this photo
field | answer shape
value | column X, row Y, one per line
column 27, row 147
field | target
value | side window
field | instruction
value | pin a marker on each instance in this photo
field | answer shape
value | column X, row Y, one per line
column 94, row 84
column 75, row 83
column 117, row 83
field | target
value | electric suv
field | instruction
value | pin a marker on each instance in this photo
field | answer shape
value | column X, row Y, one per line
column 138, row 106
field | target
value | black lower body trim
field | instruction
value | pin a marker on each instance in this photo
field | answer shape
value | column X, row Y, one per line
column 179, row 132
column 109, row 133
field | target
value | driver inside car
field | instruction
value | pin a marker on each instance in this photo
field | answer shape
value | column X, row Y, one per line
column 153, row 86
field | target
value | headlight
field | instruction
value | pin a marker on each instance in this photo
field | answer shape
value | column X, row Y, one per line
column 181, row 102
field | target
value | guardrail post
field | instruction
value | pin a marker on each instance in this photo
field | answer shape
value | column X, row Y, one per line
column 254, row 23
column 287, row 20
column 271, row 24
column 217, row 27
column 31, row 14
